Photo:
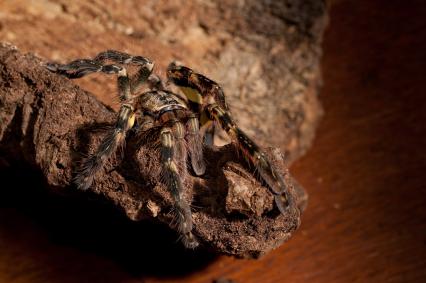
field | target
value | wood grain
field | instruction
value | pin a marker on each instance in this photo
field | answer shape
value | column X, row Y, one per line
column 366, row 221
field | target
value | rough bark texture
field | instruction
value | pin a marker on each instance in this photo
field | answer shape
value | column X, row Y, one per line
column 264, row 53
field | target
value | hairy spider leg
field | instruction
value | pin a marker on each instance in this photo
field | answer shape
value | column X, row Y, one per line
column 195, row 145
column 202, row 90
column 121, row 58
column 255, row 156
column 114, row 138
column 174, row 184
column 180, row 154
column 124, row 58
column 196, row 87
column 81, row 67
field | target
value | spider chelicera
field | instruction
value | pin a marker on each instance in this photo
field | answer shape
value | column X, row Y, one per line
column 179, row 118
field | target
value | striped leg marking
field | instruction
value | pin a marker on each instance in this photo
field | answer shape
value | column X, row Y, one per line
column 255, row 156
column 174, row 184
column 121, row 58
column 180, row 155
column 81, row 67
column 114, row 139
column 195, row 145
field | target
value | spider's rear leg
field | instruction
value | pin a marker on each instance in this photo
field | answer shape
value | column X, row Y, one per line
column 195, row 145
column 174, row 184
column 269, row 174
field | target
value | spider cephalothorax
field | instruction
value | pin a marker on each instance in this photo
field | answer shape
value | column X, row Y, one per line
column 179, row 120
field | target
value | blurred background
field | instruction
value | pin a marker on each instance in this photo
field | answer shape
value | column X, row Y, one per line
column 364, row 171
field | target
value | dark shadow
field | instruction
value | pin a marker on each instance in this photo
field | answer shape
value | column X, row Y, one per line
column 92, row 227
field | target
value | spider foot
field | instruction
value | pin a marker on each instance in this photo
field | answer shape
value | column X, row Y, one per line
column 189, row 241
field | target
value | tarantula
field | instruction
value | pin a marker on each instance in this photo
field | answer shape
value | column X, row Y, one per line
column 180, row 119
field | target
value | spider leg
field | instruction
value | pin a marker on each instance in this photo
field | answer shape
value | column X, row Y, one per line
column 180, row 155
column 207, row 93
column 174, row 184
column 268, row 173
column 154, row 81
column 209, row 132
column 81, row 67
column 121, row 58
column 114, row 138
column 196, row 87
column 195, row 145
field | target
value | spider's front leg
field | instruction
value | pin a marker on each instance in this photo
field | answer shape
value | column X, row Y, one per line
column 211, row 98
column 174, row 184
column 81, row 67
column 115, row 137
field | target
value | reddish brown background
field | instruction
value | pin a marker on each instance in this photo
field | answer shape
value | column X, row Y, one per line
column 366, row 221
